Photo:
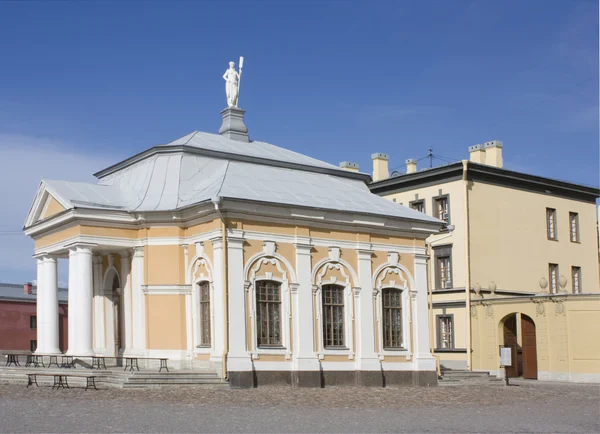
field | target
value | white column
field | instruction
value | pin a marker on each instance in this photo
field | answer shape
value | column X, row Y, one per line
column 99, row 316
column 217, row 300
column 126, row 281
column 304, row 355
column 238, row 358
column 84, row 302
column 72, row 295
column 47, row 306
column 424, row 361
column 366, row 358
column 189, row 324
column 39, row 305
column 138, row 301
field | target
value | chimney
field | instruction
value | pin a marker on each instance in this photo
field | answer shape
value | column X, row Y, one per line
column 380, row 166
column 477, row 154
column 493, row 153
column 411, row 165
column 350, row 166
column 28, row 288
column 233, row 126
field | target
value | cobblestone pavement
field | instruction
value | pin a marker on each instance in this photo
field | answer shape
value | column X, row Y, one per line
column 526, row 407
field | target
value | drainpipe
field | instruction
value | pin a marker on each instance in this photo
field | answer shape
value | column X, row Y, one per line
column 465, row 164
column 217, row 202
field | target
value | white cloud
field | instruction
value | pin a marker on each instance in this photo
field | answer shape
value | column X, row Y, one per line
column 25, row 160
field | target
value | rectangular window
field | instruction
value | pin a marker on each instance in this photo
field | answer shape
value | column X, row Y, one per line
column 574, row 226
column 32, row 346
column 576, row 279
column 553, row 278
column 441, row 209
column 268, row 313
column 391, row 299
column 33, row 322
column 443, row 272
column 205, row 335
column 551, row 223
column 418, row 205
column 333, row 316
column 445, row 331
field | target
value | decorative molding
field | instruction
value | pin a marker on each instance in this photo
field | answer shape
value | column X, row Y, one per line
column 167, row 289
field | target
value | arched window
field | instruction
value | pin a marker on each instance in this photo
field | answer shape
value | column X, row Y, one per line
column 391, row 308
column 333, row 316
column 204, row 292
column 268, row 313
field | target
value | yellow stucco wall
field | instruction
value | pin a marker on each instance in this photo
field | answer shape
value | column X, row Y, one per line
column 53, row 208
column 508, row 221
column 567, row 334
column 164, row 265
column 455, row 189
column 166, row 322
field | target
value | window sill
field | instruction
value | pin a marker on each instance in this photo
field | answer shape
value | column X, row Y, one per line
column 273, row 351
column 576, row 242
column 342, row 351
column 450, row 350
column 552, row 239
column 203, row 350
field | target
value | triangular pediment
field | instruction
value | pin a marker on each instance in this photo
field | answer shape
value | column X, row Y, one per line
column 45, row 205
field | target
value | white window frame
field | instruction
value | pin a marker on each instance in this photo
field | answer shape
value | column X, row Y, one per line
column 284, row 283
column 553, row 277
column 573, row 268
column 344, row 268
column 406, row 284
column 196, row 262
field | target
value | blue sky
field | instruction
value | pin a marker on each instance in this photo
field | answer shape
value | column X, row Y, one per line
column 85, row 84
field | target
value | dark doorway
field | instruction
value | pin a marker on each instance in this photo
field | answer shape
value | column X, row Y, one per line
column 528, row 341
column 510, row 340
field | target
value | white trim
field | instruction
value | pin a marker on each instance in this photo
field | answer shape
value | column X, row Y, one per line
column 334, row 262
column 407, row 285
column 270, row 257
column 167, row 289
column 398, row 366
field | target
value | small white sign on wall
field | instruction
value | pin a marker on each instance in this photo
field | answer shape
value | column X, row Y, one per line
column 505, row 356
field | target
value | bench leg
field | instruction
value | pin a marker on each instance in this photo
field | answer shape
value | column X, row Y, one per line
column 31, row 380
column 91, row 382
column 57, row 382
column 66, row 383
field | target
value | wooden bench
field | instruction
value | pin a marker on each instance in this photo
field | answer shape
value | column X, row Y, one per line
column 131, row 363
column 60, row 380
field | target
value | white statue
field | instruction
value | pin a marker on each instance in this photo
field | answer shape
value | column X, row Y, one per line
column 232, row 83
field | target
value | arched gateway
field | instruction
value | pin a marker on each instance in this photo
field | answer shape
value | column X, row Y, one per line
column 261, row 263
column 518, row 332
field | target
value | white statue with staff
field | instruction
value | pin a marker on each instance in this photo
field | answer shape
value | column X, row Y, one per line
column 232, row 83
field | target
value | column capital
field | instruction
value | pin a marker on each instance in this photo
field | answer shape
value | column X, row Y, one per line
column 294, row 287
column 235, row 242
column 85, row 248
column 97, row 259
column 303, row 249
column 49, row 258
column 364, row 254
column 217, row 242
column 138, row 252
column 421, row 258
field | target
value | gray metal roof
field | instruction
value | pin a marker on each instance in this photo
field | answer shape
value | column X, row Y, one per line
column 177, row 179
column 15, row 292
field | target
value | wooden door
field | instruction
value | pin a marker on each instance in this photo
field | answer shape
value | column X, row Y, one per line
column 510, row 339
column 529, row 348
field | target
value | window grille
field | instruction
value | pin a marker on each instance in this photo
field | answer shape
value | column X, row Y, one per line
column 333, row 315
column 268, row 313
column 391, row 299
column 205, row 334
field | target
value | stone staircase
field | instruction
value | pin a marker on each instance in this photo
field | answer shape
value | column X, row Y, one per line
column 117, row 378
column 459, row 377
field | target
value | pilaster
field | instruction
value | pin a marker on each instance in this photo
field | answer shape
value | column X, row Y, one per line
column 238, row 358
column 367, row 359
column 305, row 360
column 218, row 300
column 424, row 361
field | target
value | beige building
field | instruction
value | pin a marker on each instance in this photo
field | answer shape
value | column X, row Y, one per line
column 525, row 246
column 220, row 252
